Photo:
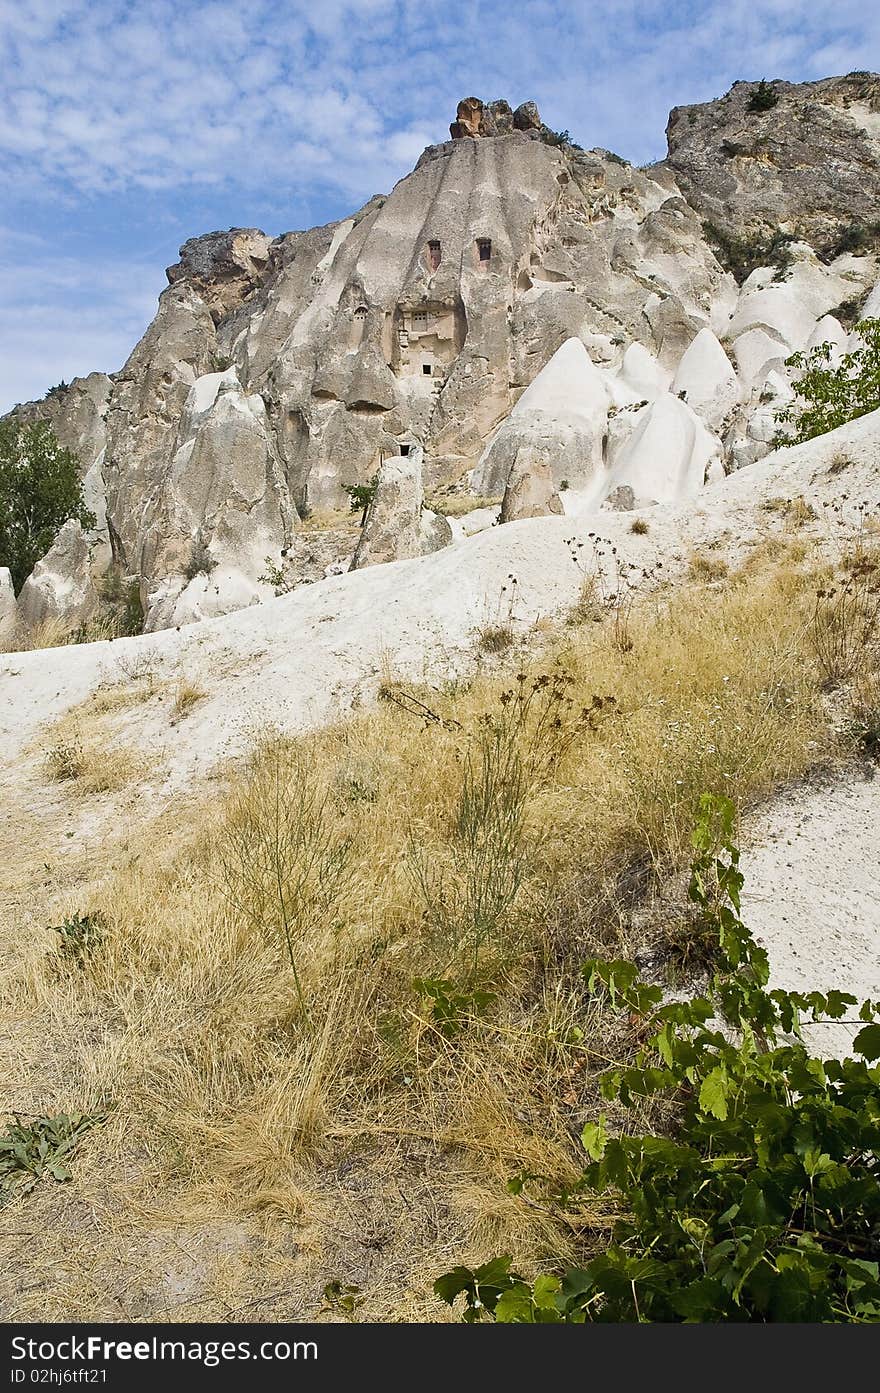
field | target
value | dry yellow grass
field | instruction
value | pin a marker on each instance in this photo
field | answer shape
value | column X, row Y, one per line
column 320, row 519
column 52, row 633
column 187, row 694
column 702, row 567
column 92, row 767
column 249, row 1021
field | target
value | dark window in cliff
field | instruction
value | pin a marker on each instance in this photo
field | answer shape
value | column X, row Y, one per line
column 405, row 449
column 484, row 248
column 433, row 255
column 360, row 312
column 426, row 369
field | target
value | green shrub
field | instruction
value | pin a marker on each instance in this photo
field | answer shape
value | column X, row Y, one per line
column 763, row 98
column 743, row 255
column 827, row 396
column 40, row 490
column 854, row 238
column 360, row 496
column 451, row 1007
column 80, row 935
column 764, row 1202
column 121, row 596
column 201, row 562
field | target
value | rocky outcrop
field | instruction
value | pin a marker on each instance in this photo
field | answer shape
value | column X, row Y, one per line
column 706, row 380
column 530, row 492
column 61, row 588
column 808, row 163
column 667, row 458
column 8, row 608
column 223, row 267
column 474, row 119
column 392, row 527
column 224, row 508
column 555, row 429
column 435, row 532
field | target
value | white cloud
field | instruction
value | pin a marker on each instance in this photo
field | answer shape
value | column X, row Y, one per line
column 104, row 97
column 61, row 317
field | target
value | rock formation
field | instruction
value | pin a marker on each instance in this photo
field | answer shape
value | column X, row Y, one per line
column 530, row 492
column 8, row 608
column 807, row 163
column 392, row 526
column 62, row 586
column 517, row 308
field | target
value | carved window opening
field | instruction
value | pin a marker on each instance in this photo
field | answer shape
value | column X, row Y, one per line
column 434, row 255
column 426, row 369
column 419, row 321
column 360, row 312
column 484, row 249
column 405, row 449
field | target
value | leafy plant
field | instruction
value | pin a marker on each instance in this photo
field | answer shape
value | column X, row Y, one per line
column 555, row 137
column 201, row 562
column 361, row 496
column 513, row 750
column 40, row 490
column 854, row 237
column 764, row 1203
column 829, row 396
column 452, row 1008
column 122, row 597
column 342, row 1297
column 39, row 1150
column 79, row 934
column 763, row 98
column 847, row 312
column 66, row 758
column 279, row 577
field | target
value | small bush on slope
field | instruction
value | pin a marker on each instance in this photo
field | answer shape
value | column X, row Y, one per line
column 764, row 1203
column 828, row 397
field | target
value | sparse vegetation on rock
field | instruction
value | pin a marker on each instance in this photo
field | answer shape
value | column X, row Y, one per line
column 763, row 98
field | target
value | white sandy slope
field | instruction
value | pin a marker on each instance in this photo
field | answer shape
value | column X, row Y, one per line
column 298, row 660
column 811, row 861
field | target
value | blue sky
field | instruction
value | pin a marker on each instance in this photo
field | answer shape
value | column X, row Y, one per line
column 127, row 127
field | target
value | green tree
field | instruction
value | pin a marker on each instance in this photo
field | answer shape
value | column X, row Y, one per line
column 826, row 396
column 40, row 490
column 361, row 496
column 763, row 98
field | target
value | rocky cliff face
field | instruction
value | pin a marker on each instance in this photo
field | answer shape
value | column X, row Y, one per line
column 276, row 372
column 805, row 157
